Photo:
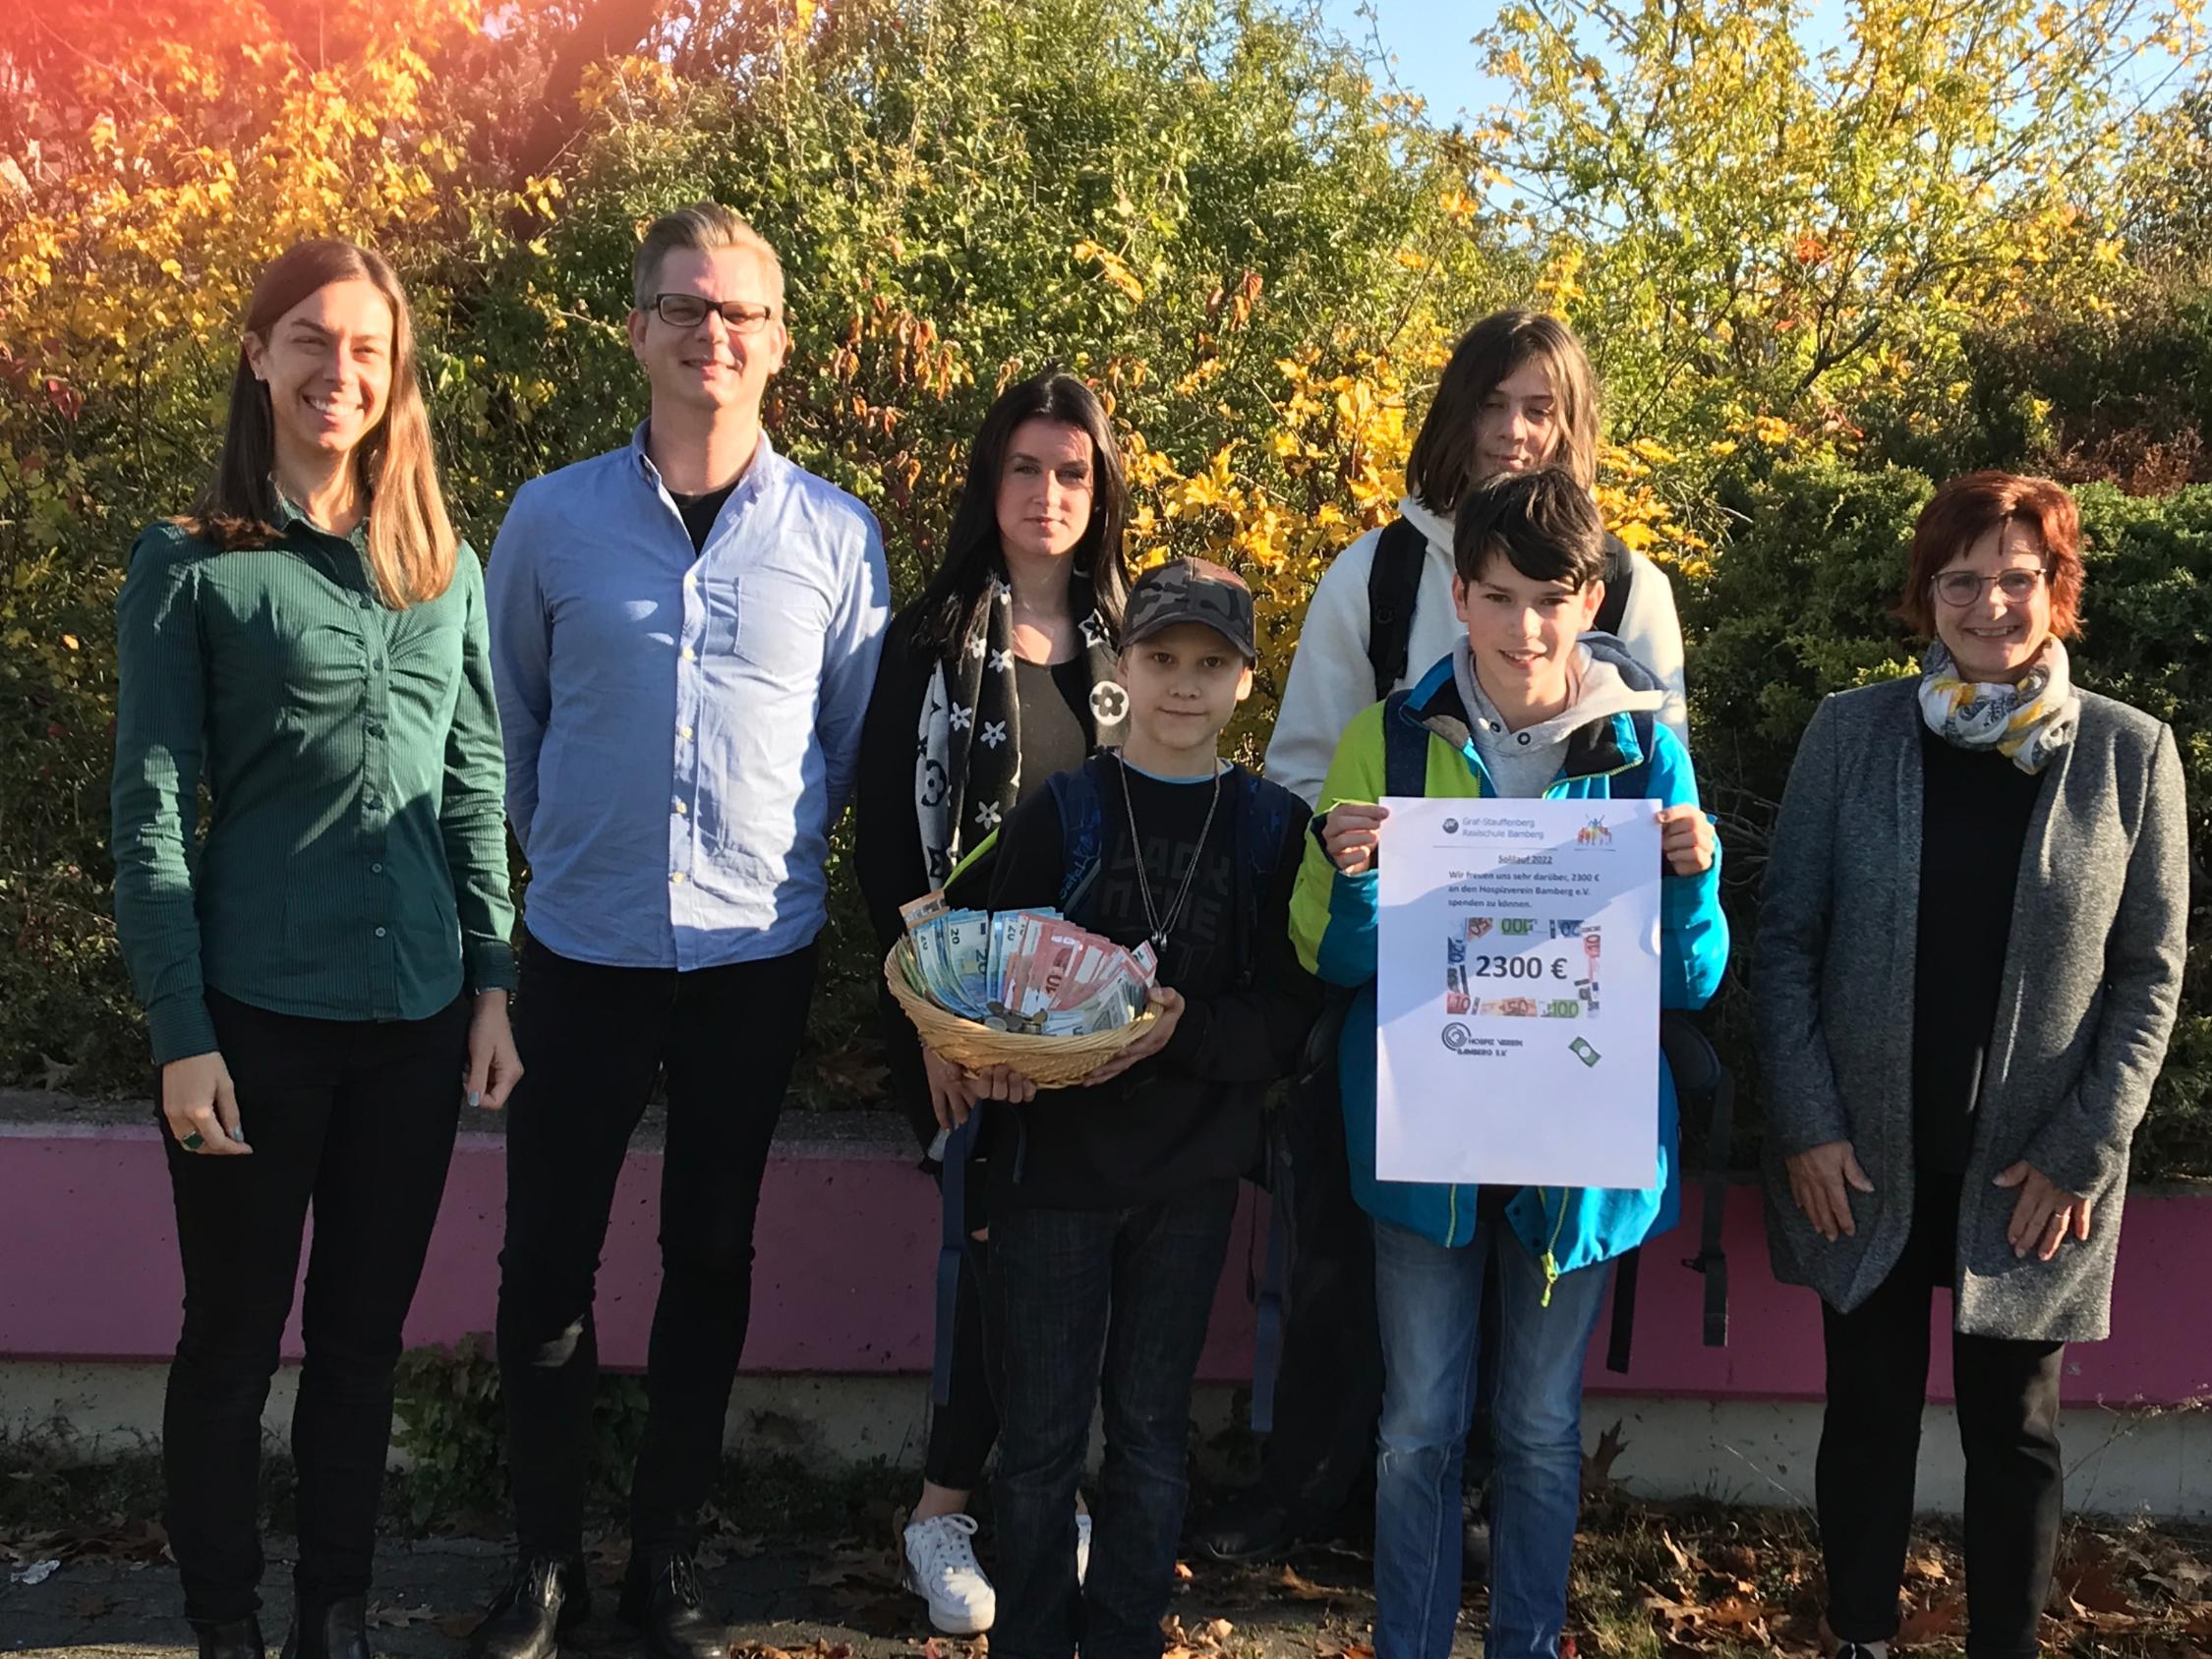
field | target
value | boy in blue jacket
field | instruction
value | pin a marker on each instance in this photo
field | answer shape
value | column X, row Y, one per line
column 1523, row 706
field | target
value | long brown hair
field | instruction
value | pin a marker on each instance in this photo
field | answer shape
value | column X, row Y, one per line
column 411, row 542
column 1444, row 466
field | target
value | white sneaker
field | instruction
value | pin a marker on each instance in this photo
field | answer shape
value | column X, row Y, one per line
column 941, row 1569
column 1083, row 1545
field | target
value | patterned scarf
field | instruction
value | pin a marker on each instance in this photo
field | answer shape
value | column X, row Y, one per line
column 967, row 767
column 2028, row 722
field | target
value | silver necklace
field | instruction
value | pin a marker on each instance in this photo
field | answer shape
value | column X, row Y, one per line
column 1162, row 925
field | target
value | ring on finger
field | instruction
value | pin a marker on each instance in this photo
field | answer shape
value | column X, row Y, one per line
column 193, row 1141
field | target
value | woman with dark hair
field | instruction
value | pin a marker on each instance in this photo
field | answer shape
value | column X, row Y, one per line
column 1001, row 674
column 1968, row 966
column 327, row 975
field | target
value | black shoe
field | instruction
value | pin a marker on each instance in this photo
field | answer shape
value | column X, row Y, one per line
column 335, row 1629
column 240, row 1641
column 1250, row 1528
column 542, row 1602
column 662, row 1598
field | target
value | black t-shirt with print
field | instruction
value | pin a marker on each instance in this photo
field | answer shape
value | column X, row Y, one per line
column 1193, row 1113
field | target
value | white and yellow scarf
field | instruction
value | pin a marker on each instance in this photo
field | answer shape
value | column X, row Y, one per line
column 2028, row 723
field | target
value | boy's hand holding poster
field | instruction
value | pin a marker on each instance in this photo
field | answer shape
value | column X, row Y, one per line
column 1518, row 992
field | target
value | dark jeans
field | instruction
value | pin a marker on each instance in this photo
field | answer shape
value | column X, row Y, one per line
column 2008, row 1422
column 593, row 1040
column 1328, row 1392
column 1081, row 1297
column 353, row 1120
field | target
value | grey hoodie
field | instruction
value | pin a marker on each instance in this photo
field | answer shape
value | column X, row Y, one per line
column 1523, row 764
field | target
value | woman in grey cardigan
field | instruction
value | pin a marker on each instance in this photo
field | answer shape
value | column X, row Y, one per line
column 1967, row 967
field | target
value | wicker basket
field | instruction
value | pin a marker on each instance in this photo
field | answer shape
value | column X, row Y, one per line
column 1051, row 1062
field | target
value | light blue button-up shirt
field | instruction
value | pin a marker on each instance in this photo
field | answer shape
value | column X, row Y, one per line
column 682, row 730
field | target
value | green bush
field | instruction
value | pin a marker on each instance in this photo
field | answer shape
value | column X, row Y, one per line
column 1794, row 606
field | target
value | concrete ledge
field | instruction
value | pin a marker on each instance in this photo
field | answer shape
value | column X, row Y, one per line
column 2144, row 1462
column 848, row 1241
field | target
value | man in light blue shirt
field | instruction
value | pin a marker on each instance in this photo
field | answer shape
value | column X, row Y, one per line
column 685, row 635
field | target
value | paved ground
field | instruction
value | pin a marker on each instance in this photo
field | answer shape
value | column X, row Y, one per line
column 805, row 1605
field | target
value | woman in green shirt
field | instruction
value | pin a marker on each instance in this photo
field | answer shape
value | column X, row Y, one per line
column 325, row 973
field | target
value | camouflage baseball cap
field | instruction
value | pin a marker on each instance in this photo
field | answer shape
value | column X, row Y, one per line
column 1188, row 590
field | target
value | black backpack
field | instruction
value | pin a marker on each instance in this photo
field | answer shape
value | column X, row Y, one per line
column 1394, row 588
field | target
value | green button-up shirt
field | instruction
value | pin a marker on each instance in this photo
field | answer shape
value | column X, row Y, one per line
column 355, row 864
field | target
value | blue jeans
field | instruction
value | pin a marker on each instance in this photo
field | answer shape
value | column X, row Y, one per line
column 1081, row 1296
column 1428, row 1298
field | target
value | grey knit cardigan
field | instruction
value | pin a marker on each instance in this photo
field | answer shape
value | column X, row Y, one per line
column 2092, row 979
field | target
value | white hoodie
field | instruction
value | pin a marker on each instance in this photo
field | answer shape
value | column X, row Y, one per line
column 1330, row 680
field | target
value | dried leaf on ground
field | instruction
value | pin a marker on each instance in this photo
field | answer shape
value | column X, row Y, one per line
column 1945, row 1618
column 1299, row 1588
column 1739, row 1559
column 1598, row 1464
column 1927, row 1568
column 383, row 1616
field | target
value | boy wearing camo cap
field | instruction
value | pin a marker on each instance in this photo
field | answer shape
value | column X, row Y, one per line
column 1112, row 1201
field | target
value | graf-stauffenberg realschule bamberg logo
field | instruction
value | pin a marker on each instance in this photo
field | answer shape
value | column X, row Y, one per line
column 1456, row 1036
column 1451, row 825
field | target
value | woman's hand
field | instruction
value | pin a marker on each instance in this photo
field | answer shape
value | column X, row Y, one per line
column 494, row 1067
column 1822, row 1180
column 1168, row 1005
column 1000, row 1082
column 1349, row 833
column 2044, row 1214
column 1686, row 840
column 202, row 1104
column 951, row 1096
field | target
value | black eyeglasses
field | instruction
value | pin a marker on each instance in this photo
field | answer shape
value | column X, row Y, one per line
column 689, row 310
column 1961, row 588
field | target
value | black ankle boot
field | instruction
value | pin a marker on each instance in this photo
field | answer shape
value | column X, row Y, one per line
column 331, row 1630
column 239, row 1640
column 542, row 1602
column 660, row 1597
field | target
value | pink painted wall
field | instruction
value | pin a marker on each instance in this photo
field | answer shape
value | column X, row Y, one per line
column 848, row 1242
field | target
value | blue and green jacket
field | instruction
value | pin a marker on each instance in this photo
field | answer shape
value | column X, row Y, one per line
column 1333, row 926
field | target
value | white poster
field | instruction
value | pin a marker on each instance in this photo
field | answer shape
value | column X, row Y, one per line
column 1518, row 992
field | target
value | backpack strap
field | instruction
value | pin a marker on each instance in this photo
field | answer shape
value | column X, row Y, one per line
column 952, row 1252
column 1619, row 577
column 1082, row 816
column 1269, row 1293
column 1263, row 814
column 1623, row 1330
column 1393, row 588
column 1405, row 748
column 1698, row 1070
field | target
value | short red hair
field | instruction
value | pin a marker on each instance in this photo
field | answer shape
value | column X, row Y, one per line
column 1969, row 507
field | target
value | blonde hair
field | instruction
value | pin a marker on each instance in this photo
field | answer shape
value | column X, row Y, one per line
column 411, row 545
column 706, row 227
column 1443, row 465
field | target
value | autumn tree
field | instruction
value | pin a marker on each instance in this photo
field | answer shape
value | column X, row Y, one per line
column 1745, row 225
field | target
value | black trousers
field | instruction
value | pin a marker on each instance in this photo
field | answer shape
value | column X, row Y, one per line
column 1098, row 1307
column 353, row 1120
column 1870, row 1441
column 593, row 1041
column 961, row 1431
column 1328, row 1392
